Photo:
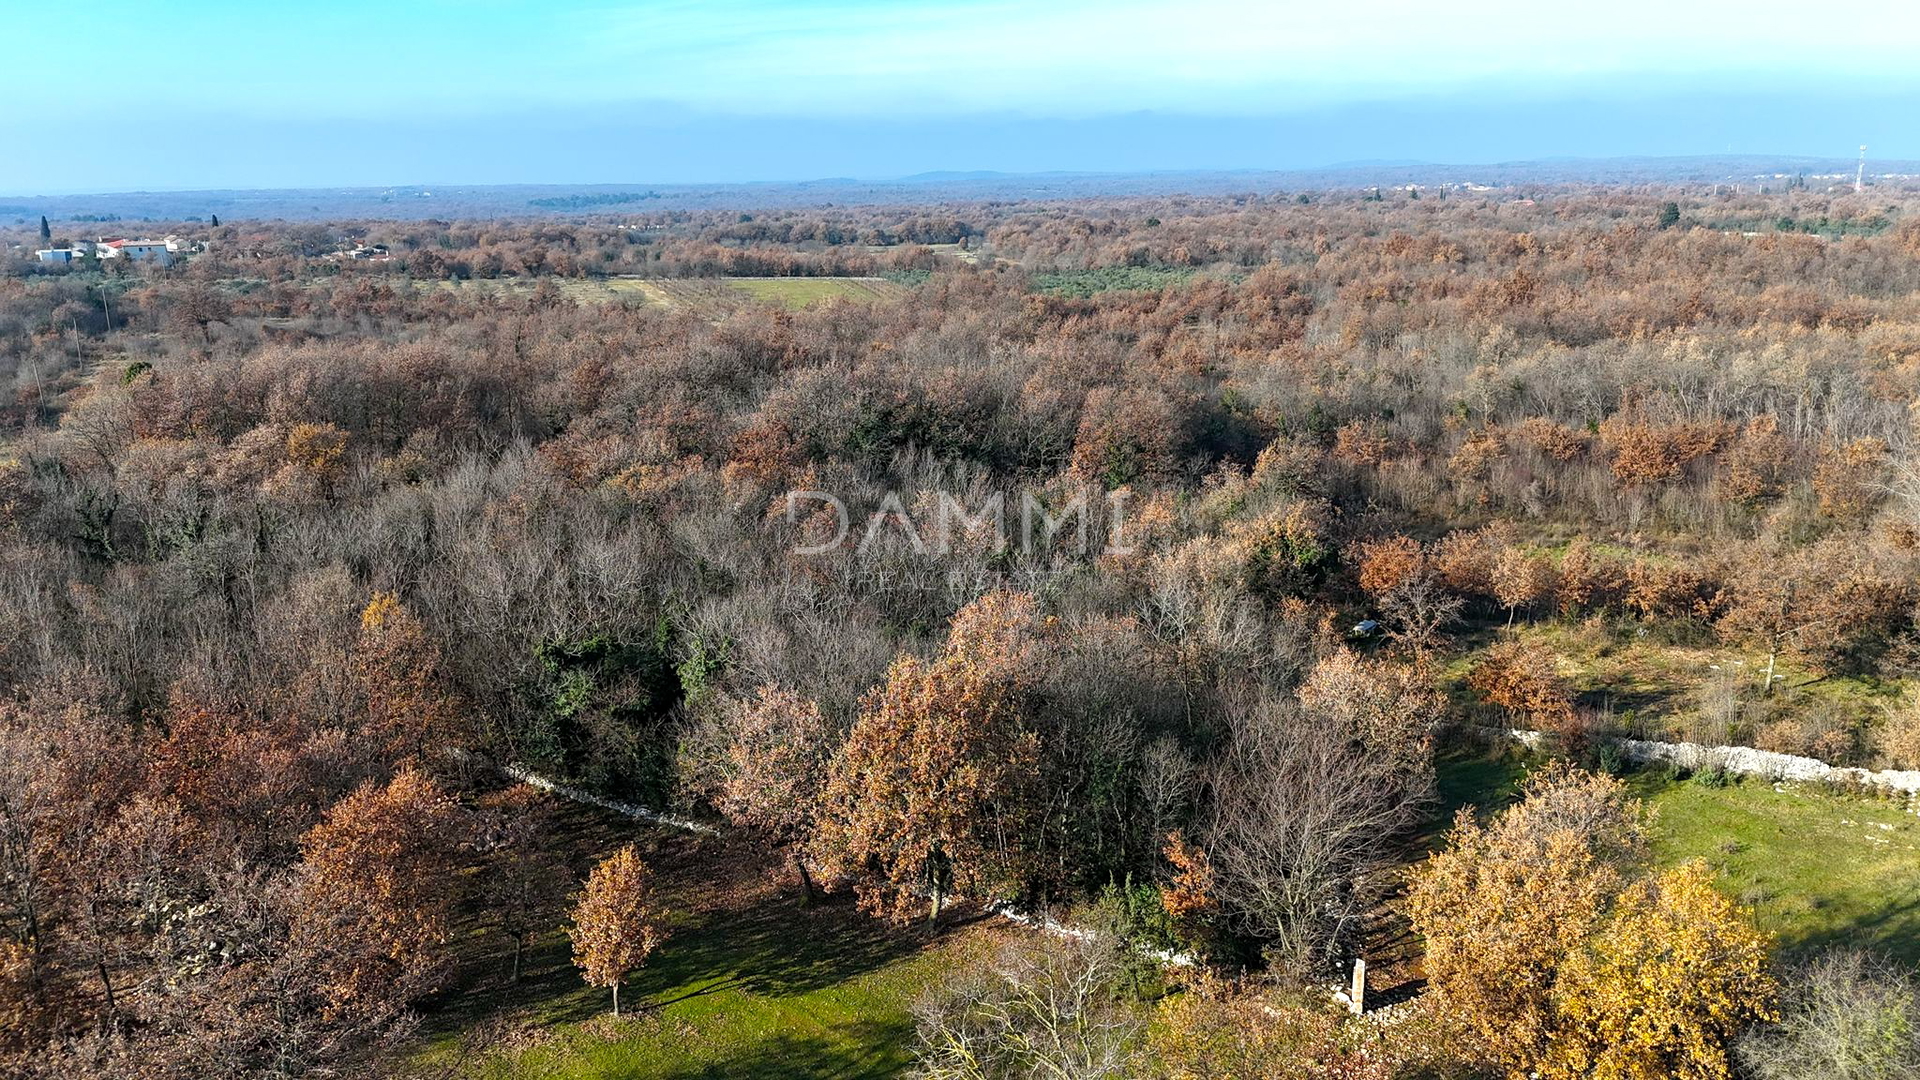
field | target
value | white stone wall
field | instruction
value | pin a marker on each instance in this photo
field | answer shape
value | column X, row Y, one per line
column 1747, row 761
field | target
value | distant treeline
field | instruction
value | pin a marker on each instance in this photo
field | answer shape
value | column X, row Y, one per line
column 26, row 212
column 585, row 202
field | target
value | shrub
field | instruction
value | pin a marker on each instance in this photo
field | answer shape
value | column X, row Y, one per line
column 1519, row 678
column 1715, row 776
column 1844, row 1016
column 1612, row 759
column 1899, row 735
column 1042, row 1007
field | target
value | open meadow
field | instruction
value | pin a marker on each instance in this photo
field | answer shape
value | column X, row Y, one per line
column 711, row 298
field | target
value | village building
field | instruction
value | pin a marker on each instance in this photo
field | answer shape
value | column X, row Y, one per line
column 155, row 251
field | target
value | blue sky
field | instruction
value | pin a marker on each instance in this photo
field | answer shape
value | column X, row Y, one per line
column 223, row 93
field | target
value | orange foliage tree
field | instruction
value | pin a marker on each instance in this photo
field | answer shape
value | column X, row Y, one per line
column 1756, row 467
column 387, row 859
column 1845, row 478
column 409, row 711
column 769, row 772
column 1191, row 896
column 1519, row 677
column 1646, row 452
column 932, row 792
column 1384, row 565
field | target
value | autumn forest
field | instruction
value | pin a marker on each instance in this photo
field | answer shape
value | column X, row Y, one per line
column 978, row 640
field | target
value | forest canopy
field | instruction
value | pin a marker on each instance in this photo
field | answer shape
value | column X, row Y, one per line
column 308, row 535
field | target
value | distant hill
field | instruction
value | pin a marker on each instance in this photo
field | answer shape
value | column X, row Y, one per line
column 455, row 201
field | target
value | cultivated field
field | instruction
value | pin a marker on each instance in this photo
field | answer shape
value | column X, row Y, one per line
column 707, row 297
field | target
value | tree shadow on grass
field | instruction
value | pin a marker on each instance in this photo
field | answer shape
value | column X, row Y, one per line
column 1485, row 780
column 866, row 1052
column 1891, row 928
column 772, row 948
column 776, row 948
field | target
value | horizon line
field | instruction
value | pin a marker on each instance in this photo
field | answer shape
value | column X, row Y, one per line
column 960, row 174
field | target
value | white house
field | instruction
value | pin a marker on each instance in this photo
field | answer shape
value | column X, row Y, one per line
column 137, row 250
column 57, row 255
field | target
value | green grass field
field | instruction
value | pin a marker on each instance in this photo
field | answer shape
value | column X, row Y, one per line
column 1085, row 283
column 768, row 993
column 1818, row 868
column 713, row 298
column 797, row 292
column 750, row 984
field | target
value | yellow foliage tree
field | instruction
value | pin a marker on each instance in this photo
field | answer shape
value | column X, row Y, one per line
column 408, row 708
column 1550, row 946
column 615, row 925
column 1660, row 992
column 1506, row 903
column 1521, row 579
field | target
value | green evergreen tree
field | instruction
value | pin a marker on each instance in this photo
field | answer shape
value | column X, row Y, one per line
column 46, row 230
column 1669, row 215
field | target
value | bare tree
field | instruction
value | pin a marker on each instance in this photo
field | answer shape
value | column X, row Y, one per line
column 1845, row 1016
column 525, row 873
column 1418, row 610
column 1904, row 485
column 1306, row 818
column 1044, row 1007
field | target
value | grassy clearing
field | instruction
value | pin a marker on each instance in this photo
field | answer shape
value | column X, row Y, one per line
column 750, row 984
column 798, row 292
column 1818, row 868
column 768, row 994
column 952, row 251
column 713, row 298
column 1085, row 283
column 1661, row 682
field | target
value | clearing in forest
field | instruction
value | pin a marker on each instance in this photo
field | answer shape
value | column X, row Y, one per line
column 711, row 298
column 751, row 983
column 1818, row 867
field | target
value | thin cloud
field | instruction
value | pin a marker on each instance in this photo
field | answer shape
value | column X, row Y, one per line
column 1219, row 55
